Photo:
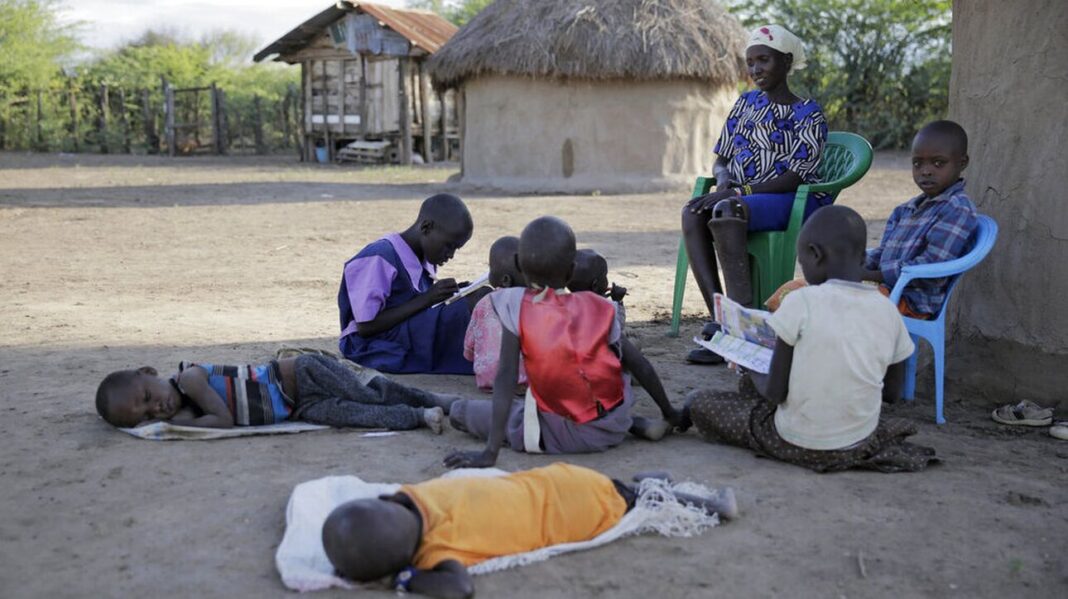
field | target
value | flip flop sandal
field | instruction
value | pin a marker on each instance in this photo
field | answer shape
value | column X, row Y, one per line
column 1025, row 413
column 1059, row 430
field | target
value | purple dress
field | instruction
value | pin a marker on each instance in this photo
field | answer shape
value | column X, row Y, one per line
column 386, row 274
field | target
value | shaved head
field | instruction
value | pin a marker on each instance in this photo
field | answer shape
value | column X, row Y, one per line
column 949, row 132
column 831, row 245
column 547, row 252
column 591, row 272
column 502, row 263
column 448, row 211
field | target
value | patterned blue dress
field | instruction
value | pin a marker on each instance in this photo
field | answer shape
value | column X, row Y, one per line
column 762, row 140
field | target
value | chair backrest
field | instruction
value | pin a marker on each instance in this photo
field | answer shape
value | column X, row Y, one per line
column 846, row 157
column 986, row 233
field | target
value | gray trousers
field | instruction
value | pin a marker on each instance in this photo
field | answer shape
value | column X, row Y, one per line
column 330, row 394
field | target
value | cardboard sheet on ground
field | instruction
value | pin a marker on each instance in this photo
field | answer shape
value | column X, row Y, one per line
column 165, row 431
column 303, row 565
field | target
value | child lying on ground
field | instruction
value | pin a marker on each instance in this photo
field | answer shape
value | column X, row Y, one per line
column 426, row 535
column 311, row 388
column 591, row 274
column 840, row 351
column 482, row 343
column 934, row 226
column 579, row 398
column 390, row 299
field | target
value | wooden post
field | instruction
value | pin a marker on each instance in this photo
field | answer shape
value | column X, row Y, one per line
column 148, row 121
column 258, row 114
column 326, row 114
column 40, row 132
column 444, row 124
column 102, row 123
column 305, row 108
column 224, row 121
column 218, row 143
column 72, row 99
column 405, row 112
column 341, row 97
column 461, row 114
column 124, row 122
column 285, row 115
column 168, row 119
column 424, row 101
column 363, row 96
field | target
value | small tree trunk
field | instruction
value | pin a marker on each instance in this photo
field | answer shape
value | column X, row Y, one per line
column 72, row 99
column 124, row 122
column 148, row 120
column 102, row 124
column 40, row 143
column 168, row 118
column 258, row 115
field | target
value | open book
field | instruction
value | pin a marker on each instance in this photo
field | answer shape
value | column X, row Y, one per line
column 746, row 337
column 479, row 283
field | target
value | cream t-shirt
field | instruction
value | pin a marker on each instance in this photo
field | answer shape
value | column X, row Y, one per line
column 844, row 335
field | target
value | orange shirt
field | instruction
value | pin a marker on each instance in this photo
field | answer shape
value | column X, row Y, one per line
column 475, row 519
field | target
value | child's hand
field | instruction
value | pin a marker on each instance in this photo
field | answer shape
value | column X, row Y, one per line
column 442, row 290
column 617, row 293
column 471, row 459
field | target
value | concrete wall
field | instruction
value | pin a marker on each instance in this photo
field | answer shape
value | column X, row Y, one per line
column 550, row 136
column 1008, row 90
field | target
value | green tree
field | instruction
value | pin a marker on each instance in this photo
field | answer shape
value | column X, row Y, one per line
column 457, row 11
column 878, row 67
column 33, row 44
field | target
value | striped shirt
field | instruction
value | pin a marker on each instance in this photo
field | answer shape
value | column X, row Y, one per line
column 924, row 231
column 252, row 393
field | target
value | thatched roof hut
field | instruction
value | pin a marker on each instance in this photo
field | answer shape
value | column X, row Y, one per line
column 560, row 94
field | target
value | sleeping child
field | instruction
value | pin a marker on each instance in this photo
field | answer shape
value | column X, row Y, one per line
column 426, row 535
column 482, row 343
column 311, row 388
column 390, row 301
column 579, row 397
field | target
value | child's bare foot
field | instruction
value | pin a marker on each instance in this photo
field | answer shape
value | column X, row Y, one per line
column 434, row 418
column 650, row 430
column 445, row 400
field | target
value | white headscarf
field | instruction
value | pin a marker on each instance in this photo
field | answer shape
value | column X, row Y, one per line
column 778, row 38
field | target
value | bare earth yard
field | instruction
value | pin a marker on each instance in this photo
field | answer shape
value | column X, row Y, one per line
column 114, row 262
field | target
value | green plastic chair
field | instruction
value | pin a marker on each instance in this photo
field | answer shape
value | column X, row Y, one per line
column 773, row 254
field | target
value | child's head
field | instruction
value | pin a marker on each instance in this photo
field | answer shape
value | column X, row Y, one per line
column 368, row 539
column 126, row 398
column 591, row 273
column 831, row 245
column 502, row 263
column 445, row 226
column 939, row 155
column 547, row 252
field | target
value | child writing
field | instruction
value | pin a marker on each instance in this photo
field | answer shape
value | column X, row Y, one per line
column 935, row 226
column 390, row 299
column 312, row 388
column 840, row 352
column 426, row 535
column 482, row 343
column 579, row 398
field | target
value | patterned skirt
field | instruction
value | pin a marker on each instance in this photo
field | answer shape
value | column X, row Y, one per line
column 746, row 419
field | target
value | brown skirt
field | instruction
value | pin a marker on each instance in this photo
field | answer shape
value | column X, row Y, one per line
column 746, row 419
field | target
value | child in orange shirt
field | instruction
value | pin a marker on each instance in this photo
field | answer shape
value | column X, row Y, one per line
column 428, row 534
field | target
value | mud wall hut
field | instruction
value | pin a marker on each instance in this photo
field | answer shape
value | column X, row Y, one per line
column 1010, row 61
column 611, row 95
column 363, row 80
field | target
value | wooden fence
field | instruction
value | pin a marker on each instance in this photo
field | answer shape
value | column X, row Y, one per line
column 79, row 117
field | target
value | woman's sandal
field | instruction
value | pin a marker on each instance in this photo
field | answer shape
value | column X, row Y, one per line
column 1025, row 413
column 705, row 356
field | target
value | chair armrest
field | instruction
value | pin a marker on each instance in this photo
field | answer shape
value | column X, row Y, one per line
column 936, row 270
column 703, row 185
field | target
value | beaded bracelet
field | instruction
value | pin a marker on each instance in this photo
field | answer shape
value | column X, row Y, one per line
column 747, row 190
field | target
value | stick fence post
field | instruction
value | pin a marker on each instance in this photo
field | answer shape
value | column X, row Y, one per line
column 102, row 124
column 168, row 118
column 72, row 100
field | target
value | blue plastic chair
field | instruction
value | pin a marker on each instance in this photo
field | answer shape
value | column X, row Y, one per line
column 934, row 330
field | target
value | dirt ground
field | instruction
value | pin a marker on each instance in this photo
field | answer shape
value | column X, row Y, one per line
column 114, row 262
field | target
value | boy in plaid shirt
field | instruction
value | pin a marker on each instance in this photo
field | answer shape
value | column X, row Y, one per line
column 935, row 226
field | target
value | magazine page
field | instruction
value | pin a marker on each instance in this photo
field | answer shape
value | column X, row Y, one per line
column 744, row 323
column 739, row 351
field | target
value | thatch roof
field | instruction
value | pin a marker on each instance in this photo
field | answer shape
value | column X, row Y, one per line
column 595, row 39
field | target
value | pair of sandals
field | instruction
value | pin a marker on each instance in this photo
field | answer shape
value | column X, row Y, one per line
column 1028, row 413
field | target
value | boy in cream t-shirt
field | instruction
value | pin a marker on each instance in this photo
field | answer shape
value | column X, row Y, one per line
column 840, row 353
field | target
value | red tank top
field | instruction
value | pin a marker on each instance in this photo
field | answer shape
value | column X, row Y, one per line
column 571, row 368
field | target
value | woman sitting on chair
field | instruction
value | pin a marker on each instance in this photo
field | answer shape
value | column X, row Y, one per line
column 770, row 145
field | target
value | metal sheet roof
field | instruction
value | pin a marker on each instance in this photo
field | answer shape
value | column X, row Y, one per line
column 424, row 29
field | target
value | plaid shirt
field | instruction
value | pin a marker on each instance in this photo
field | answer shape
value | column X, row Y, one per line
column 922, row 231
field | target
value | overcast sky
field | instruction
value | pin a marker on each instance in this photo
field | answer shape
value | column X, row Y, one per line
column 110, row 22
